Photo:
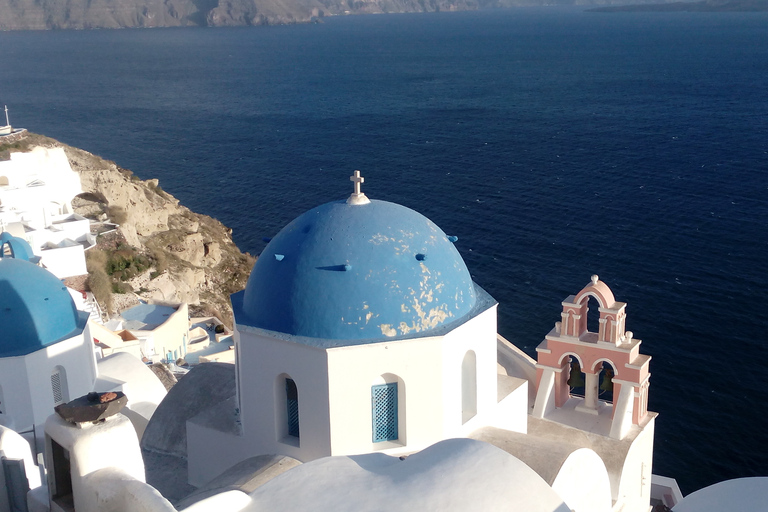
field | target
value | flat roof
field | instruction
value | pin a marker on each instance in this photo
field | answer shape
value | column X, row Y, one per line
column 145, row 317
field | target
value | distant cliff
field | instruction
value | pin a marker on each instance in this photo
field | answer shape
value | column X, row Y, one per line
column 695, row 6
column 85, row 14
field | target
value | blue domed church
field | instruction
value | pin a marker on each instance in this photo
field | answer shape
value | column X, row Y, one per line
column 360, row 330
column 45, row 356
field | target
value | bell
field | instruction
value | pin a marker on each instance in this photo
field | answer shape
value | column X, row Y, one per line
column 607, row 385
column 576, row 378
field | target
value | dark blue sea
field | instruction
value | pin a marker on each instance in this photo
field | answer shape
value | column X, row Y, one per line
column 555, row 143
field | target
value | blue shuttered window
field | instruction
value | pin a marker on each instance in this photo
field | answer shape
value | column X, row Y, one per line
column 384, row 407
column 292, row 403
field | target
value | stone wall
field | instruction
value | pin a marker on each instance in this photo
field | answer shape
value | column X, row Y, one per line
column 12, row 138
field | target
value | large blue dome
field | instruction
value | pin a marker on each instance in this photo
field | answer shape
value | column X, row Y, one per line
column 36, row 309
column 357, row 272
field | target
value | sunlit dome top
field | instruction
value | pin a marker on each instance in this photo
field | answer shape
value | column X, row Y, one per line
column 357, row 270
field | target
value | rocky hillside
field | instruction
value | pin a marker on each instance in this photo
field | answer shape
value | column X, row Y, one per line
column 161, row 251
column 84, row 14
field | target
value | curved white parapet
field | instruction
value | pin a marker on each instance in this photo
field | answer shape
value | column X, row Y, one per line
column 112, row 489
column 231, row 501
column 458, row 475
column 742, row 494
column 583, row 482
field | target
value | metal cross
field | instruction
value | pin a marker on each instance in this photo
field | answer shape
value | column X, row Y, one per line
column 357, row 179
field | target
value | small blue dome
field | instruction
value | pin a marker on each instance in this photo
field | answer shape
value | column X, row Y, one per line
column 17, row 247
column 35, row 309
column 357, row 272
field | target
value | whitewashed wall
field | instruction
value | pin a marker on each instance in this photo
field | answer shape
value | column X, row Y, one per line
column 26, row 380
column 262, row 360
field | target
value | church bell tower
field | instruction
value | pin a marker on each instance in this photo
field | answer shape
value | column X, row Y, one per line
column 615, row 373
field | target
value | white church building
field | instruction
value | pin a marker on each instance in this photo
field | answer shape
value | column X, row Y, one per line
column 369, row 375
column 360, row 331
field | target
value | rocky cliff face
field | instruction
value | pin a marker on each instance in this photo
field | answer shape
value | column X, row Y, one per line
column 83, row 14
column 162, row 250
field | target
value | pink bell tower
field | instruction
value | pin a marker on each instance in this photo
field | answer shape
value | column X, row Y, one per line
column 612, row 348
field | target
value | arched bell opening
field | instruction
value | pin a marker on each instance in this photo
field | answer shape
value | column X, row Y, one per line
column 576, row 378
column 605, row 382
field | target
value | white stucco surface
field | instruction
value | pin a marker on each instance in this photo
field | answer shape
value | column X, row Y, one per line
column 114, row 489
column 264, row 363
column 124, row 372
column 583, row 483
column 231, row 501
column 110, row 446
column 39, row 193
column 13, row 446
column 26, row 381
column 64, row 261
column 742, row 494
column 38, row 181
column 454, row 475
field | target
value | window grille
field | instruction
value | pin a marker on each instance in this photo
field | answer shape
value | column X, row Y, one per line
column 384, row 406
column 58, row 395
column 292, row 403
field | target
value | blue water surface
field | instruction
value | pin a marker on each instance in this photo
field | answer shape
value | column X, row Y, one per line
column 554, row 143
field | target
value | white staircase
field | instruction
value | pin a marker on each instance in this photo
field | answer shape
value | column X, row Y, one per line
column 92, row 307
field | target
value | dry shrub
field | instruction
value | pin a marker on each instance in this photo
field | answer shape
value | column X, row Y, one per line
column 117, row 214
column 101, row 287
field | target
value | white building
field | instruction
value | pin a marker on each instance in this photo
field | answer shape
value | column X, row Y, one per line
column 154, row 332
column 36, row 192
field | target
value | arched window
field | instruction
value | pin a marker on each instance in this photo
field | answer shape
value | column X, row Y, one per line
column 593, row 315
column 468, row 386
column 292, row 407
column 287, row 410
column 59, row 386
column 3, row 181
